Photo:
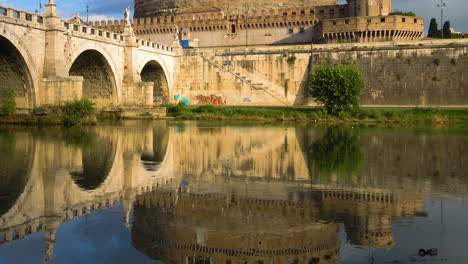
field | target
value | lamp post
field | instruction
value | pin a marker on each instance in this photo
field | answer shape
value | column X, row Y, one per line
column 442, row 5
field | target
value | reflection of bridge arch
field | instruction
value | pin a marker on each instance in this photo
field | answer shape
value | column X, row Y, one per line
column 16, row 163
column 99, row 72
column 152, row 160
column 18, row 71
column 154, row 69
column 98, row 160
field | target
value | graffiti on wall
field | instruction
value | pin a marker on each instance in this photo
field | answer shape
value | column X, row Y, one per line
column 211, row 100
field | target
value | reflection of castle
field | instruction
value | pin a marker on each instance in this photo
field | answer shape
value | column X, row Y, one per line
column 234, row 23
column 220, row 228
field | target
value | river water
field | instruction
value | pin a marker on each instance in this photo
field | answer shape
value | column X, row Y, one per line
column 200, row 192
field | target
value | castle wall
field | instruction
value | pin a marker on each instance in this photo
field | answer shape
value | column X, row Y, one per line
column 242, row 37
column 148, row 8
column 407, row 74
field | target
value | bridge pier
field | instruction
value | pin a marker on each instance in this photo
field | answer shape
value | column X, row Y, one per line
column 57, row 86
column 134, row 91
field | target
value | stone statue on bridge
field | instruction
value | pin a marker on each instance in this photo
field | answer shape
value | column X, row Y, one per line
column 127, row 16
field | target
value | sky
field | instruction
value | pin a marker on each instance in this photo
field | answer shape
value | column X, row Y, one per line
column 114, row 9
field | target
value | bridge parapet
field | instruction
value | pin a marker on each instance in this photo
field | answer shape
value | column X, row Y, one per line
column 85, row 31
column 151, row 46
column 8, row 14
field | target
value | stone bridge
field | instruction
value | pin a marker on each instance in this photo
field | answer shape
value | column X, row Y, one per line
column 47, row 61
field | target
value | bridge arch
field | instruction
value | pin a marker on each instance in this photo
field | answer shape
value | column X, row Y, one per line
column 154, row 69
column 100, row 73
column 17, row 71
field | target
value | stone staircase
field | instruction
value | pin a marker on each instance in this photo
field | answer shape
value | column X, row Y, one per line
column 246, row 77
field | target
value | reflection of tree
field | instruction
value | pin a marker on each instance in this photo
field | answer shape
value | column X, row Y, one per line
column 339, row 151
column 76, row 136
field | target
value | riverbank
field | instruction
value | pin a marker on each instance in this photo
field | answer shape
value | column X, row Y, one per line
column 363, row 115
column 404, row 116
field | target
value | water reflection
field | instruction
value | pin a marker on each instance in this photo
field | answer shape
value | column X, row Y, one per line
column 337, row 152
column 202, row 193
column 15, row 160
column 98, row 155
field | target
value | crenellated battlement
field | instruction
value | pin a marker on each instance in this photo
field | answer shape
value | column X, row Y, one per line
column 217, row 20
column 370, row 29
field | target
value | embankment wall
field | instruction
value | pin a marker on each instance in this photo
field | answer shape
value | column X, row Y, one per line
column 423, row 73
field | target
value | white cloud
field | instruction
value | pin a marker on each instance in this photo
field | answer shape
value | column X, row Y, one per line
column 100, row 18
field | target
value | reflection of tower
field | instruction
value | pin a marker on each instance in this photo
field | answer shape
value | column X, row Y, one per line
column 49, row 239
column 367, row 214
column 128, row 196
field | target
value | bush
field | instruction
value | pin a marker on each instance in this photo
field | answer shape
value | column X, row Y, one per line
column 337, row 87
column 401, row 13
column 292, row 59
column 176, row 109
column 205, row 109
column 8, row 103
column 75, row 111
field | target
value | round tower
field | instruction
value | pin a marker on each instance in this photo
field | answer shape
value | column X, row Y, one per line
column 364, row 8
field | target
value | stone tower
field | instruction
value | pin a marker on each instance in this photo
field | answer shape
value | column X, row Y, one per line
column 369, row 7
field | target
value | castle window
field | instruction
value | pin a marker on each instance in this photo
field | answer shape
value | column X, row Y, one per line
column 322, row 12
column 285, row 14
column 302, row 12
column 293, row 13
column 290, row 30
column 332, row 12
column 233, row 29
column 301, row 30
column 403, row 20
column 312, row 11
column 382, row 19
column 346, row 21
column 415, row 20
column 334, row 22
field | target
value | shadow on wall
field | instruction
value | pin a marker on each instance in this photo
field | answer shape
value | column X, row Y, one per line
column 14, row 75
column 304, row 36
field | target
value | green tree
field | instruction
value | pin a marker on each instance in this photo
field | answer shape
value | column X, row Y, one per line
column 338, row 87
column 8, row 103
column 447, row 31
column 434, row 31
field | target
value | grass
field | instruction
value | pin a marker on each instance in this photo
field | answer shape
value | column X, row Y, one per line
column 363, row 115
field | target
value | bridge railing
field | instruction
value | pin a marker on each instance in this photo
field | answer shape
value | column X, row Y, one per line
column 146, row 44
column 83, row 29
column 20, row 15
